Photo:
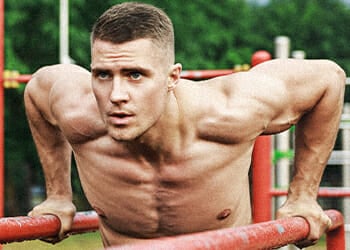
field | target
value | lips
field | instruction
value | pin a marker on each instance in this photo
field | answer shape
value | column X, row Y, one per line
column 120, row 118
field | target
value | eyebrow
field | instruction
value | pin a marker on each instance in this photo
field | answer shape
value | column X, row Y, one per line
column 138, row 69
column 125, row 69
column 98, row 70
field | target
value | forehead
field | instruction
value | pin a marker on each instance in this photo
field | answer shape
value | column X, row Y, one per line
column 141, row 50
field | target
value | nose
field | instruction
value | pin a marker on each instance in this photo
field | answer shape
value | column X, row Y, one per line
column 119, row 93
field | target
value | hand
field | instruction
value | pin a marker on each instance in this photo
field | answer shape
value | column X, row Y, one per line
column 309, row 209
column 62, row 208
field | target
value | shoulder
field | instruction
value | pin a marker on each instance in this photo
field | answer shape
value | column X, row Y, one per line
column 197, row 97
column 60, row 73
column 56, row 85
column 44, row 79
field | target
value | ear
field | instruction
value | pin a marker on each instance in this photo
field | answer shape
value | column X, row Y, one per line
column 174, row 76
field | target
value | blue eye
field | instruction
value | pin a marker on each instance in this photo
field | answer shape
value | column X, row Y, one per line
column 103, row 75
column 135, row 75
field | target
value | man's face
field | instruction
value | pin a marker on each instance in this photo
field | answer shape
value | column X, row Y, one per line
column 130, row 83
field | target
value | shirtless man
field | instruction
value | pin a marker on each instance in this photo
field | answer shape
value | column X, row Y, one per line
column 160, row 156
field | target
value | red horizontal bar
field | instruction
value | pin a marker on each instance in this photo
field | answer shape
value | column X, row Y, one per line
column 323, row 192
column 264, row 235
column 23, row 78
column 204, row 74
column 30, row 228
column 186, row 74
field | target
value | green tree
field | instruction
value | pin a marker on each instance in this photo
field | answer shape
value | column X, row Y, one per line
column 318, row 27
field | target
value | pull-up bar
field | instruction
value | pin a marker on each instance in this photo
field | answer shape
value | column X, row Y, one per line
column 22, row 228
column 256, row 236
column 263, row 235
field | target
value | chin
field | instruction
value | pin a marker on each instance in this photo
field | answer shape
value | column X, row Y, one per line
column 122, row 136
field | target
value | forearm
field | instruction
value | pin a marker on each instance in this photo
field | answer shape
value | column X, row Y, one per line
column 309, row 166
column 316, row 133
column 52, row 147
column 57, row 171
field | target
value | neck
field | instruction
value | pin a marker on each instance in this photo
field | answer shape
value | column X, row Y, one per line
column 163, row 140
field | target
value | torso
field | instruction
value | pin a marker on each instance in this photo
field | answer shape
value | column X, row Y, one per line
column 202, row 186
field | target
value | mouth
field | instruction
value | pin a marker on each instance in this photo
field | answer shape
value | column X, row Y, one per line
column 120, row 118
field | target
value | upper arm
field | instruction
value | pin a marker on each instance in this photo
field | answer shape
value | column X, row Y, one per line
column 40, row 88
column 38, row 104
column 300, row 87
column 273, row 96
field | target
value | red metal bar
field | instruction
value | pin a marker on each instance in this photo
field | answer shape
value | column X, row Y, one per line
column 2, row 108
column 24, row 78
column 204, row 74
column 336, row 237
column 261, row 178
column 29, row 228
column 323, row 192
column 263, row 235
column 261, row 164
column 186, row 74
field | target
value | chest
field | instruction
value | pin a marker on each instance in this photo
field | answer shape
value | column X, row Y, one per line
column 108, row 159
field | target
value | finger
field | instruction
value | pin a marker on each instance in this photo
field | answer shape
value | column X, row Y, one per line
column 329, row 223
column 306, row 243
column 54, row 240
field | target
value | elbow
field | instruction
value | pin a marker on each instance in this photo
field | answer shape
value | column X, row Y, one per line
column 335, row 80
column 338, row 74
column 341, row 80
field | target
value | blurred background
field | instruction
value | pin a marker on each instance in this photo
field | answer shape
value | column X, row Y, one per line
column 209, row 35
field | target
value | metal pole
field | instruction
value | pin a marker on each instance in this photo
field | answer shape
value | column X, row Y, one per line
column 266, row 235
column 282, row 46
column 2, row 108
column 261, row 164
column 30, row 228
column 64, row 32
column 346, row 165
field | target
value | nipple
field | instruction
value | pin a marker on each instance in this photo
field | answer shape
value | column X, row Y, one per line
column 224, row 214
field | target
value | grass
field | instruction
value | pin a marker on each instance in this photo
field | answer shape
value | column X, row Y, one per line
column 87, row 241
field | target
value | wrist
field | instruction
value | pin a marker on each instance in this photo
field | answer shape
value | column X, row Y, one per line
column 59, row 194
column 304, row 191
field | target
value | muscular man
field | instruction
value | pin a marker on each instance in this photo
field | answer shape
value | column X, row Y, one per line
column 158, row 155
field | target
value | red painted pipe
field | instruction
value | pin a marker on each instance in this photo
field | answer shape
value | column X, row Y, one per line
column 2, row 107
column 263, row 235
column 261, row 164
column 336, row 237
column 332, row 192
column 204, row 74
column 29, row 228
column 186, row 74
column 261, row 178
column 23, row 78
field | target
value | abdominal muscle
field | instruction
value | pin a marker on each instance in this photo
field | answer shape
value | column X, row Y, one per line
column 135, row 202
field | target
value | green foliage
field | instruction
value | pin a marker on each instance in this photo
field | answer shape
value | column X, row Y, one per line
column 86, row 241
column 318, row 27
column 209, row 35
